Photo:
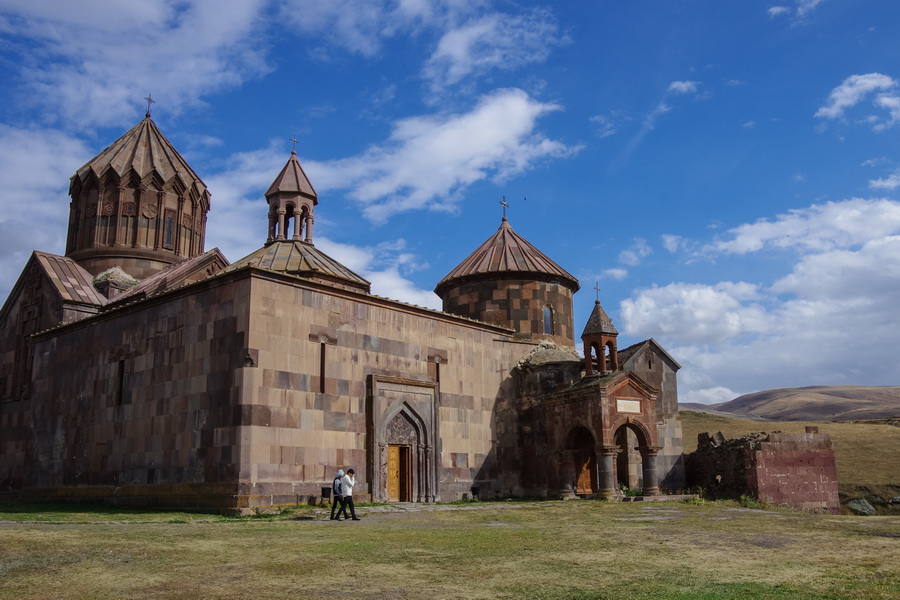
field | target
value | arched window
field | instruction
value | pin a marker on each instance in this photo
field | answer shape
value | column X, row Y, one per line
column 548, row 320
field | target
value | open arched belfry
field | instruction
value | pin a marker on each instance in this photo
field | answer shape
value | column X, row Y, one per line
column 141, row 368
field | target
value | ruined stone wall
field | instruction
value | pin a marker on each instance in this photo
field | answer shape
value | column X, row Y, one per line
column 792, row 469
column 795, row 469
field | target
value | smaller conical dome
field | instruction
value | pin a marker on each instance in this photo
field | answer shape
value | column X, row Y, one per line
column 292, row 181
column 599, row 323
column 506, row 253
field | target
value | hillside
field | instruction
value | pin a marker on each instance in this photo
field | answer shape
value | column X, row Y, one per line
column 815, row 403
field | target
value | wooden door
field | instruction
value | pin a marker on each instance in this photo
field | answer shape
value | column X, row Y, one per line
column 585, row 463
column 399, row 473
column 393, row 473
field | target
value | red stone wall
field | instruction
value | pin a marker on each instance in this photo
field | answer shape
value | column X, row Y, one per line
column 797, row 470
column 517, row 304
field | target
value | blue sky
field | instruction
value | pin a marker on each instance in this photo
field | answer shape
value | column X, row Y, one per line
column 727, row 171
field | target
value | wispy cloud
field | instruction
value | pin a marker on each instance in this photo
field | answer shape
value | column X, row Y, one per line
column 91, row 63
column 800, row 10
column 891, row 182
column 493, row 41
column 854, row 90
column 429, row 160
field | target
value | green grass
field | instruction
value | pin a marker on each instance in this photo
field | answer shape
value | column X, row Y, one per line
column 552, row 550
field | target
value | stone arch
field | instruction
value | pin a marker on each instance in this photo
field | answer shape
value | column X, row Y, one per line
column 635, row 459
column 403, row 410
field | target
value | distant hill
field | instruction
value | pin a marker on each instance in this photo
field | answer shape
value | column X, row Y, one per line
column 815, row 403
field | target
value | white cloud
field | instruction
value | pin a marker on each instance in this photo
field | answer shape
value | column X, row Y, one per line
column 775, row 11
column 672, row 243
column 633, row 255
column 91, row 62
column 34, row 207
column 891, row 182
column 854, row 89
column 819, row 227
column 617, row 274
column 493, row 41
column 694, row 312
column 683, row 87
column 826, row 320
column 384, row 266
column 804, row 7
column 428, row 161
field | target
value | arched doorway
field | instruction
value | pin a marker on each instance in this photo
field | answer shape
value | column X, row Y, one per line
column 584, row 458
column 402, row 441
column 628, row 461
column 635, row 462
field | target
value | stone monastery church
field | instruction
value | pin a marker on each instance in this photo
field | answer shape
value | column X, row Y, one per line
column 140, row 368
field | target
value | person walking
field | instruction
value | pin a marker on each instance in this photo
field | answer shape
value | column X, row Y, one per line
column 337, row 497
column 347, row 483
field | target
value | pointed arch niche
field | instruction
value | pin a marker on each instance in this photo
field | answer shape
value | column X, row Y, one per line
column 404, row 447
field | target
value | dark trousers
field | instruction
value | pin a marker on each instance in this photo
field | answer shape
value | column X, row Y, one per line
column 348, row 501
column 337, row 502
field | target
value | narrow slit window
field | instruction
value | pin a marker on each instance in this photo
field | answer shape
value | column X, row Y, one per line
column 548, row 320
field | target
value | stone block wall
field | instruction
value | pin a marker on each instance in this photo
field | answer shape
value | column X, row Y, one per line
column 517, row 304
column 797, row 470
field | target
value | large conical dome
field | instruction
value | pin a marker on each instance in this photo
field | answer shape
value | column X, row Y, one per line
column 137, row 205
column 506, row 253
column 508, row 281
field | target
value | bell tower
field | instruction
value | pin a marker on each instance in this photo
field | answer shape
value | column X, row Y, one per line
column 599, row 337
column 291, row 199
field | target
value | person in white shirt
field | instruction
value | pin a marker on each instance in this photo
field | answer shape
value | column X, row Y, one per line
column 347, row 483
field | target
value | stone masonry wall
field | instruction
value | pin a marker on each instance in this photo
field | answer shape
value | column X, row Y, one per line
column 792, row 469
column 797, row 470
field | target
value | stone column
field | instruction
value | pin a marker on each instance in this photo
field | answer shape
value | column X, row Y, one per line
column 297, row 221
column 280, row 235
column 648, row 462
column 309, row 224
column 270, row 237
column 566, row 476
column 606, row 463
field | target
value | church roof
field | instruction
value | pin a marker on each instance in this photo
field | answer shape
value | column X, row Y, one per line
column 506, row 252
column 599, row 322
column 181, row 273
column 302, row 259
column 143, row 149
column 292, row 180
column 69, row 279
column 629, row 352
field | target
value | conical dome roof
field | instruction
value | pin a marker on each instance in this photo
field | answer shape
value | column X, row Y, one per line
column 143, row 149
column 503, row 254
column 599, row 323
column 292, row 180
column 302, row 260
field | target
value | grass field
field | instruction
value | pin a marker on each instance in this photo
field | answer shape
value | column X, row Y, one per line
column 545, row 550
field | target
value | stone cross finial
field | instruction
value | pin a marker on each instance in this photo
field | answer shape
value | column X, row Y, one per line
column 150, row 101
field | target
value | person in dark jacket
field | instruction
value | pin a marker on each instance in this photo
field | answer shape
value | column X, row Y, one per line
column 337, row 497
